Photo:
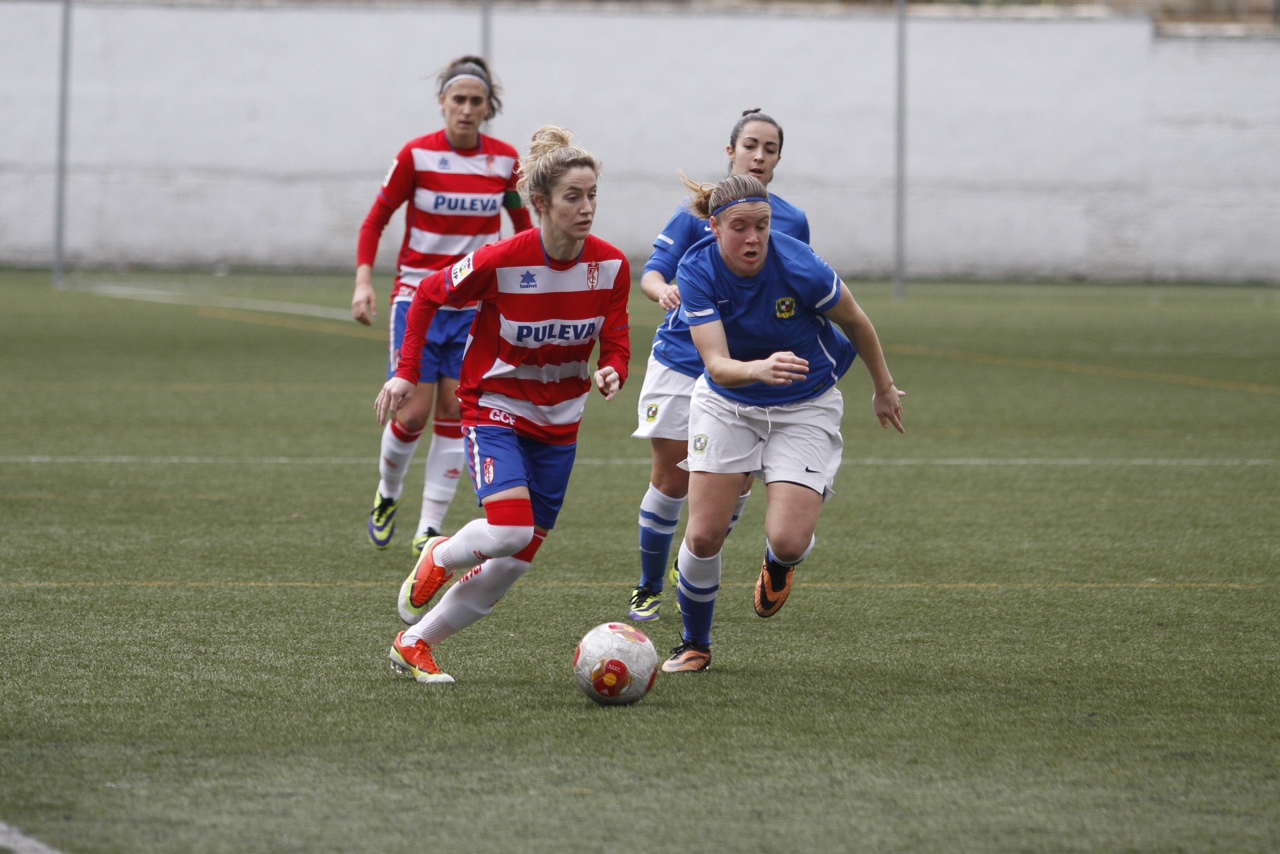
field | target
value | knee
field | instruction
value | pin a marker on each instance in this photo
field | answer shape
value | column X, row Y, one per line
column 791, row 548
column 509, row 539
column 672, row 482
column 703, row 543
column 511, row 526
column 412, row 422
column 665, row 473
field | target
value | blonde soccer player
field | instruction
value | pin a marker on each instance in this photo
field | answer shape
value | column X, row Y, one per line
column 547, row 297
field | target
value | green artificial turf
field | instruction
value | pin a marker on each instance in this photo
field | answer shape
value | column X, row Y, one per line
column 1043, row 620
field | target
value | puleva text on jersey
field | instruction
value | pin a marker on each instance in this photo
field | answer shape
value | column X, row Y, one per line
column 543, row 333
column 464, row 204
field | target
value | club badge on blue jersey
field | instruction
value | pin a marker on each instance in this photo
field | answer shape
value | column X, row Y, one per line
column 785, row 307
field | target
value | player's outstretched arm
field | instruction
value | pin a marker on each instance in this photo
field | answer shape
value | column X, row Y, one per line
column 887, row 400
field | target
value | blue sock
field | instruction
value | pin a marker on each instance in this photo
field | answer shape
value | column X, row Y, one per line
column 699, row 586
column 659, row 516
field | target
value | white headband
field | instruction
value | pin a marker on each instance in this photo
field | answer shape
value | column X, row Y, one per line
column 455, row 78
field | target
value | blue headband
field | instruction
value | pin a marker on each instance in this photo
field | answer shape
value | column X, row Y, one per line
column 728, row 205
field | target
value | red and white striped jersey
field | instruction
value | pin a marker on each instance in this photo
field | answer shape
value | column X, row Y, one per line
column 527, row 363
column 455, row 201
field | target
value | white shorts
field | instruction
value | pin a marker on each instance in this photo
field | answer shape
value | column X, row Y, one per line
column 797, row 442
column 663, row 411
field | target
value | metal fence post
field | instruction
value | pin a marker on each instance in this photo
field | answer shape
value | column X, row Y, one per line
column 60, row 192
column 900, row 158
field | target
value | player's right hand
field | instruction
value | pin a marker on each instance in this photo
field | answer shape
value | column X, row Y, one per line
column 391, row 398
column 364, row 304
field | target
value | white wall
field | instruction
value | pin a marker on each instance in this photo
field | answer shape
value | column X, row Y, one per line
column 1078, row 146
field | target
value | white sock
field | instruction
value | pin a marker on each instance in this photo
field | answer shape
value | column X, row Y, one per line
column 467, row 602
column 700, row 572
column 478, row 540
column 443, row 471
column 397, row 450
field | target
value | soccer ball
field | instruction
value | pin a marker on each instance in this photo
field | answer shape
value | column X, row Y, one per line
column 615, row 664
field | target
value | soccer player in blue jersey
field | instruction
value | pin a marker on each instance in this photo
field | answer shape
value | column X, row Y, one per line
column 776, row 329
column 755, row 147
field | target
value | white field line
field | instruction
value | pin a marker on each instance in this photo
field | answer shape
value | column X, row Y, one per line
column 1150, row 584
column 205, row 300
column 14, row 840
column 977, row 462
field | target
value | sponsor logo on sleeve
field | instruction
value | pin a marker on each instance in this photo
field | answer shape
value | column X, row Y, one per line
column 461, row 270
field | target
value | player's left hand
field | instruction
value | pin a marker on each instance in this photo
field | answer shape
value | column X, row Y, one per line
column 669, row 298
column 888, row 408
column 608, row 381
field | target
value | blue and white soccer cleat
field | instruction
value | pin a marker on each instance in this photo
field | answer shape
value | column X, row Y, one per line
column 382, row 520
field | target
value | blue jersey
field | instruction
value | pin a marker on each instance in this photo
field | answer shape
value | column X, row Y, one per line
column 778, row 309
column 672, row 345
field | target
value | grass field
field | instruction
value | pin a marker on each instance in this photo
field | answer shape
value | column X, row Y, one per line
column 1044, row 620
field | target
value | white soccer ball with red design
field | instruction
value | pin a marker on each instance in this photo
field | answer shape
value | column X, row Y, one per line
column 615, row 664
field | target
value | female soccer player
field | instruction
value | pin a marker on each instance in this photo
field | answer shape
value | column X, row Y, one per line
column 455, row 181
column 546, row 296
column 763, row 311
column 755, row 147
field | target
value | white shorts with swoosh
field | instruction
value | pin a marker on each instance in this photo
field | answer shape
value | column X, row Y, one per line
column 797, row 442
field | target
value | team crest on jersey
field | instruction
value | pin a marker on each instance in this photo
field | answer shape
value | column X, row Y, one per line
column 700, row 442
column 593, row 274
column 461, row 270
column 443, row 165
column 488, row 470
column 528, row 280
column 785, row 307
column 651, row 414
